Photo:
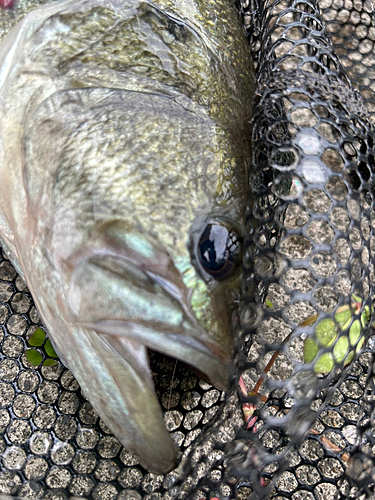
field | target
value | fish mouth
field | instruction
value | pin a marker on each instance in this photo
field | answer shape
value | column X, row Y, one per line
column 124, row 297
column 167, row 327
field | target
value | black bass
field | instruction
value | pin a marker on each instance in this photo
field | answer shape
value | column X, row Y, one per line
column 124, row 146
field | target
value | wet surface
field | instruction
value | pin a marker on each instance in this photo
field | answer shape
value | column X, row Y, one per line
column 53, row 443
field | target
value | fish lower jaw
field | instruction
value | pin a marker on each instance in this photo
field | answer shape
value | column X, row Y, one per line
column 113, row 369
column 123, row 299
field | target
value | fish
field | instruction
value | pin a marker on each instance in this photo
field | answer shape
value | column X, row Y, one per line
column 124, row 155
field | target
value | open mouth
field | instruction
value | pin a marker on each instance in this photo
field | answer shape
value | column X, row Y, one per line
column 147, row 310
column 186, row 396
column 120, row 305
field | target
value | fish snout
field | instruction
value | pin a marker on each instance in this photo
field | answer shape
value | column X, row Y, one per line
column 123, row 284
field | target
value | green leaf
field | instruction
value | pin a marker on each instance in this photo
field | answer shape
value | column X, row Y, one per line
column 324, row 363
column 357, row 299
column 341, row 349
column 366, row 315
column 269, row 303
column 34, row 357
column 50, row 362
column 350, row 357
column 355, row 332
column 343, row 316
column 310, row 350
column 326, row 332
column 50, row 351
column 37, row 338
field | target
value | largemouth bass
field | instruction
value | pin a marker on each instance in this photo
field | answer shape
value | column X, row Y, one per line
column 124, row 145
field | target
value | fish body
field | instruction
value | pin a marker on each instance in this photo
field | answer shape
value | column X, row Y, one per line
column 124, row 146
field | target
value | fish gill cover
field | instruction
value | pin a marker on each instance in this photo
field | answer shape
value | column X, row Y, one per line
column 303, row 362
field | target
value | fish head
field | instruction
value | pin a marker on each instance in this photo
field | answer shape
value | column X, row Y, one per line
column 146, row 233
column 128, row 196
column 145, row 238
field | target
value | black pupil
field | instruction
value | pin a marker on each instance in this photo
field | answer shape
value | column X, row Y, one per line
column 218, row 250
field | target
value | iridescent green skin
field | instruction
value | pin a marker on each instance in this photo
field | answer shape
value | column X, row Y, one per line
column 124, row 128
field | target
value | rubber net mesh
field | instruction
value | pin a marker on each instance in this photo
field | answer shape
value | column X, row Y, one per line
column 297, row 422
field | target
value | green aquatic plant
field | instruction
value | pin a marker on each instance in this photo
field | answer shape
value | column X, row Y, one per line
column 343, row 334
column 269, row 303
column 38, row 339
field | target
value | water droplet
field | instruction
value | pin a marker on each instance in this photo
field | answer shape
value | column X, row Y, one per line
column 288, row 187
column 40, row 443
column 14, row 458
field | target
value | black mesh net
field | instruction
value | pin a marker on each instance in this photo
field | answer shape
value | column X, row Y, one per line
column 310, row 259
column 302, row 378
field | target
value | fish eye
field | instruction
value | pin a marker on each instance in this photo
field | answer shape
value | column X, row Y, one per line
column 219, row 249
